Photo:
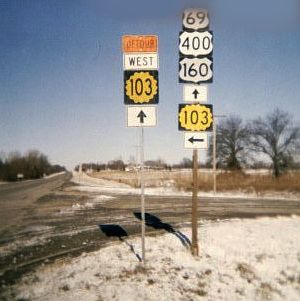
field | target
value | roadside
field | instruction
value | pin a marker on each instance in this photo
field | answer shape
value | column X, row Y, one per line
column 56, row 219
column 237, row 261
column 163, row 185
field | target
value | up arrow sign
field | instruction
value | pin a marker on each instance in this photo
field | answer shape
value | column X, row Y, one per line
column 195, row 93
column 141, row 115
column 192, row 93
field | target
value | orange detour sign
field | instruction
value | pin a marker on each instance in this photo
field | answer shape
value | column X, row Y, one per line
column 135, row 43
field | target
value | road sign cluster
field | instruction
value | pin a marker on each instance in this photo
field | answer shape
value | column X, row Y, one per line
column 141, row 88
column 195, row 69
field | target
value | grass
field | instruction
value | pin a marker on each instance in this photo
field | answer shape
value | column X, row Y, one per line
column 226, row 181
column 229, row 181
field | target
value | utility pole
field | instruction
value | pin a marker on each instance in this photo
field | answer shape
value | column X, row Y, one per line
column 215, row 150
column 214, row 154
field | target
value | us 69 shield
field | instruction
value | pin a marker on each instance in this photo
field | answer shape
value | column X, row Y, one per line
column 195, row 19
column 141, row 87
column 195, row 70
column 195, row 117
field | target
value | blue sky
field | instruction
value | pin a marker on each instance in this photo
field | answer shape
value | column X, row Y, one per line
column 61, row 72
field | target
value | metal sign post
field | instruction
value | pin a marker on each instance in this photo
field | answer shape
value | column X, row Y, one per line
column 141, row 94
column 215, row 150
column 142, row 192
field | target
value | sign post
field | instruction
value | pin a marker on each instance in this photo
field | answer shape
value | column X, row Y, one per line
column 195, row 68
column 141, row 94
column 195, row 248
column 142, row 193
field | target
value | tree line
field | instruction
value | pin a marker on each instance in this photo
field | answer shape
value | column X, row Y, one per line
column 117, row 164
column 32, row 165
column 271, row 141
column 272, row 138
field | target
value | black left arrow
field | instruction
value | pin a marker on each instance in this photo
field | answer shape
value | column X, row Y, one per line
column 195, row 93
column 142, row 116
column 192, row 140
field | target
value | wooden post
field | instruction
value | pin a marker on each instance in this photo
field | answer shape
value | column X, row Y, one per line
column 195, row 248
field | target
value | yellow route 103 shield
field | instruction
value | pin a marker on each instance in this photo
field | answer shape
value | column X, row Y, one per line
column 195, row 117
column 141, row 87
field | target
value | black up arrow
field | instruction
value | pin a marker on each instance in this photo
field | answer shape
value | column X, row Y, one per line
column 141, row 115
column 195, row 93
column 192, row 140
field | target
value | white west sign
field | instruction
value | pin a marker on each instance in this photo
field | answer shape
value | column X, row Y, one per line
column 196, row 140
column 196, row 43
column 195, row 70
column 140, row 61
column 195, row 93
column 141, row 116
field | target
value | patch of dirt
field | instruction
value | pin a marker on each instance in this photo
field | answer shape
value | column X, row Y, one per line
column 266, row 291
column 246, row 272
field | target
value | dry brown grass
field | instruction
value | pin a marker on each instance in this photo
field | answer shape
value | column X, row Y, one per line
column 152, row 178
column 230, row 181
column 226, row 181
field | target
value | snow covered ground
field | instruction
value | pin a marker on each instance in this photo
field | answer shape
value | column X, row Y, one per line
column 240, row 260
column 54, row 175
column 90, row 184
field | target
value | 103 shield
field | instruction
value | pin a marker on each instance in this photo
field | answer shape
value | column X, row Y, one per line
column 195, row 117
column 141, row 87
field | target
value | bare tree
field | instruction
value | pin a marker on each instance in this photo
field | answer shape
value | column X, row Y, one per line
column 186, row 163
column 232, row 141
column 33, row 165
column 276, row 137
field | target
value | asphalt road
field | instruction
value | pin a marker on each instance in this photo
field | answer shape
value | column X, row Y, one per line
column 17, row 199
column 48, row 219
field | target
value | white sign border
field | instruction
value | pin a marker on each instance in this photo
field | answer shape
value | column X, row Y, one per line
column 140, row 68
column 195, row 86
column 195, row 133
column 140, row 108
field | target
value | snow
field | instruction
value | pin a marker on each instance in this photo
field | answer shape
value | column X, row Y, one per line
column 96, row 185
column 40, row 233
column 92, row 203
column 54, row 175
column 239, row 260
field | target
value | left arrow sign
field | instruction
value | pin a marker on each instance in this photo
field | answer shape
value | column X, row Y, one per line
column 192, row 140
column 195, row 140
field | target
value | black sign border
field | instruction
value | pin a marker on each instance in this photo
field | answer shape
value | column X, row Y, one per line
column 210, row 55
column 181, row 81
column 129, row 101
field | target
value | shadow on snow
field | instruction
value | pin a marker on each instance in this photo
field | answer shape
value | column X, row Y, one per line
column 156, row 223
column 112, row 230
